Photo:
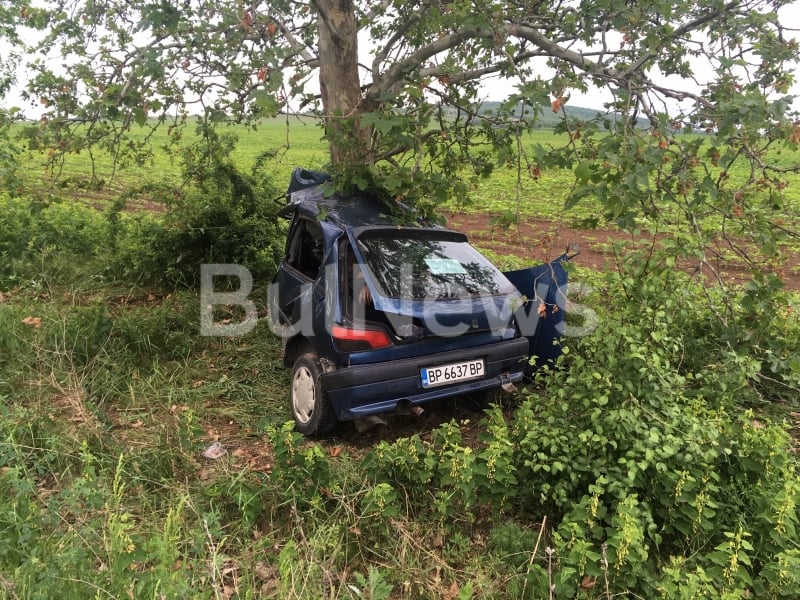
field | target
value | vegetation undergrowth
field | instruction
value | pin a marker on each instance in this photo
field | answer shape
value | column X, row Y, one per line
column 651, row 461
column 217, row 213
column 634, row 457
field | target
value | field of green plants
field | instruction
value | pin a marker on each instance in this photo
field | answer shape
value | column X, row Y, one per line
column 655, row 460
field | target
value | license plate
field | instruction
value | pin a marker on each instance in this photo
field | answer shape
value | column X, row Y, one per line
column 452, row 373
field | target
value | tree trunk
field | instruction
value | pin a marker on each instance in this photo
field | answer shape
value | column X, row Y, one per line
column 339, row 82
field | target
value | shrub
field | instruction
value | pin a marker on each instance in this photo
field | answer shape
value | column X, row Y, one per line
column 635, row 446
column 638, row 441
column 38, row 238
column 219, row 215
column 9, row 153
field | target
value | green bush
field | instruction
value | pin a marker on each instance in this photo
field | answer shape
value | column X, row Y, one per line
column 220, row 215
column 9, row 152
column 16, row 229
column 40, row 239
column 637, row 450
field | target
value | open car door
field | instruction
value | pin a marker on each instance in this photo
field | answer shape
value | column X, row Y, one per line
column 541, row 317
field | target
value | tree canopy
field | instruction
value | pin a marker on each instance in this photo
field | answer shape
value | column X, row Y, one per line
column 398, row 86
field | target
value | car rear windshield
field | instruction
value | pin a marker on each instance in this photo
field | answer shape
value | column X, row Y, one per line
column 425, row 265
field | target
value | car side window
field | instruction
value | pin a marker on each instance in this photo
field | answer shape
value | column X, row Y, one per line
column 356, row 295
column 305, row 249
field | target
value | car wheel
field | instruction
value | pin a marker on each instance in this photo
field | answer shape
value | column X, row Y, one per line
column 311, row 408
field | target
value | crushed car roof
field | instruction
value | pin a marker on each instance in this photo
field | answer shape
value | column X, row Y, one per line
column 311, row 193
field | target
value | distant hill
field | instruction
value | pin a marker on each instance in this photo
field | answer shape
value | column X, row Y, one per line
column 548, row 119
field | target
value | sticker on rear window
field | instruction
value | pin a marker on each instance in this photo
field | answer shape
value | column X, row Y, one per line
column 445, row 266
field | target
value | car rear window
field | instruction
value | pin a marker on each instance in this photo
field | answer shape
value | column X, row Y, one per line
column 429, row 266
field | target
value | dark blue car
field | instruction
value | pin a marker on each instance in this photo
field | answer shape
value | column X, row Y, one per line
column 379, row 311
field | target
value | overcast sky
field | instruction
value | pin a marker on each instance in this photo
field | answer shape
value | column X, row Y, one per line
column 789, row 16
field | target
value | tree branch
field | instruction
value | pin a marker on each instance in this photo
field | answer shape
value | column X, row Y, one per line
column 412, row 61
column 381, row 56
column 683, row 30
column 301, row 49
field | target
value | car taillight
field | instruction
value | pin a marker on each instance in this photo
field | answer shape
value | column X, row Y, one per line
column 350, row 339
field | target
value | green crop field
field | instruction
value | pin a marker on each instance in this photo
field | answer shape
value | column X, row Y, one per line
column 298, row 141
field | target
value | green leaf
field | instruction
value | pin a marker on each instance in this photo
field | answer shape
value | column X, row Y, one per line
column 584, row 171
column 140, row 116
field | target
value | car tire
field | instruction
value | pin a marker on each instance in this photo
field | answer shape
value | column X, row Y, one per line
column 311, row 409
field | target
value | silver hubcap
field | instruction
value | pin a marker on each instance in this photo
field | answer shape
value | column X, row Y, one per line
column 303, row 394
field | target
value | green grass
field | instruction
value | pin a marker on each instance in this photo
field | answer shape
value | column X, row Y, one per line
column 301, row 145
column 109, row 396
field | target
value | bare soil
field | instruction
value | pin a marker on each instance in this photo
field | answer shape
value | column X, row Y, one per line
column 540, row 240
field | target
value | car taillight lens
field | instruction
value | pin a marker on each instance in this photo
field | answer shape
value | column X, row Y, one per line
column 350, row 339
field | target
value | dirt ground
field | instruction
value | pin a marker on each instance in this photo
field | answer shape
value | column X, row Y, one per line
column 539, row 240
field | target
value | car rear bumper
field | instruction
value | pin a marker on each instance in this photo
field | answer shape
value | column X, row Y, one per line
column 361, row 390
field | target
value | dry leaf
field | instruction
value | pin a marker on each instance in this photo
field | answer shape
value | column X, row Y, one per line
column 452, row 592
column 34, row 322
column 542, row 310
column 335, row 451
column 247, row 21
column 136, row 424
column 214, row 451
column 556, row 104
column 265, row 571
column 794, row 136
column 587, row 582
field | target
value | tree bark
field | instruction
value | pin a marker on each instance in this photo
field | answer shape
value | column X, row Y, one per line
column 340, row 86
